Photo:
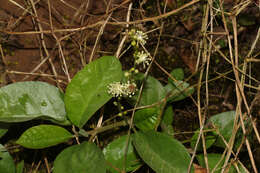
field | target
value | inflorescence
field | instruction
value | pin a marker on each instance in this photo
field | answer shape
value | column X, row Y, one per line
column 142, row 57
column 128, row 89
column 137, row 37
column 118, row 89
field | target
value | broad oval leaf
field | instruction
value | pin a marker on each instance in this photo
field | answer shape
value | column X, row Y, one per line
column 86, row 157
column 153, row 91
column 145, row 119
column 215, row 162
column 23, row 101
column 6, row 161
column 43, row 136
column 20, row 167
column 161, row 152
column 176, row 73
column 87, row 91
column 167, row 120
column 210, row 139
column 178, row 91
column 225, row 122
column 115, row 154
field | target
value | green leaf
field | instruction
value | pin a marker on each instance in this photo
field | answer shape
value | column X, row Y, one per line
column 153, row 91
column 87, row 91
column 167, row 120
column 210, row 139
column 19, row 167
column 115, row 154
column 3, row 132
column 178, row 91
column 161, row 152
column 213, row 160
column 3, row 129
column 86, row 157
column 242, row 168
column 177, row 73
column 43, row 136
column 225, row 122
column 145, row 119
column 23, row 101
column 6, row 161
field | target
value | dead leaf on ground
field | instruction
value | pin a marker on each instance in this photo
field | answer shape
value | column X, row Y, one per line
column 199, row 169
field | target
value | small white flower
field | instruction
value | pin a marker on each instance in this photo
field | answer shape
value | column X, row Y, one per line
column 141, row 37
column 143, row 58
column 138, row 36
column 118, row 89
column 115, row 89
column 130, row 89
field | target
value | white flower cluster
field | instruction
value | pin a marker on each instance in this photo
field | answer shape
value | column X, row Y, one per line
column 138, row 36
column 118, row 89
column 143, row 58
